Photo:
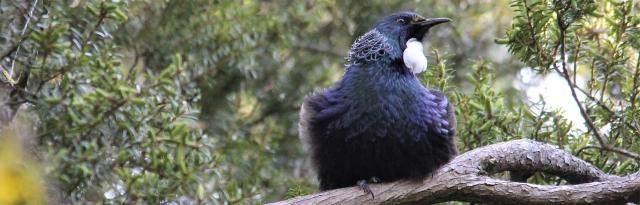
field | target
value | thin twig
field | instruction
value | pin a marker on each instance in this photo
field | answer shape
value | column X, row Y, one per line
column 567, row 78
column 635, row 88
column 24, row 29
column 605, row 107
column 135, row 63
column 612, row 149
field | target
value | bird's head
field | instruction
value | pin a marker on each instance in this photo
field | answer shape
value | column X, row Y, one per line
column 390, row 35
column 402, row 26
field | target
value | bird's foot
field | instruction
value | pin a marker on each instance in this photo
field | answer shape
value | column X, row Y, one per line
column 364, row 185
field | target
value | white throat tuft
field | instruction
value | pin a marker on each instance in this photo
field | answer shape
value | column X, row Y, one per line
column 413, row 56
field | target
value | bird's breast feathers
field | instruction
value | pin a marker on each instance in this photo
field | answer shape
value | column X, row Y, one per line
column 379, row 117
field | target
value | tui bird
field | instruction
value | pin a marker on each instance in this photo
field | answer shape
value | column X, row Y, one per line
column 379, row 123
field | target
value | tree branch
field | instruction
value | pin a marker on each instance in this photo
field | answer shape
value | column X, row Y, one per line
column 468, row 178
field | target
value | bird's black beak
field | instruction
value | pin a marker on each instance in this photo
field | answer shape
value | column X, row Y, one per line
column 419, row 28
column 428, row 23
column 422, row 26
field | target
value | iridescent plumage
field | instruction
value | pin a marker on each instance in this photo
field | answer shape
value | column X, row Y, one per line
column 378, row 121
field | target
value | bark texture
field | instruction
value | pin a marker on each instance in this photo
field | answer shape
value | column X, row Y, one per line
column 468, row 178
column 8, row 106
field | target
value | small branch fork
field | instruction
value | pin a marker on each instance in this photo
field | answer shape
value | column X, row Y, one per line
column 468, row 178
column 604, row 145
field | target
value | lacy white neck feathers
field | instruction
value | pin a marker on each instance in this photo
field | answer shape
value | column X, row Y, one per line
column 368, row 47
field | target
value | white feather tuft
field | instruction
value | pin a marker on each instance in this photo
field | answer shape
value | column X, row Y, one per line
column 413, row 56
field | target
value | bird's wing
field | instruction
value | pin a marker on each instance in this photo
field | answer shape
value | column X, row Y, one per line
column 316, row 106
column 450, row 115
column 306, row 116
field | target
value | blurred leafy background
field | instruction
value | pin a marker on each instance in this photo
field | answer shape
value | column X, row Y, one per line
column 196, row 102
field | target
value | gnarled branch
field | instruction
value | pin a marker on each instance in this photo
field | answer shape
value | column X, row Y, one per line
column 468, row 178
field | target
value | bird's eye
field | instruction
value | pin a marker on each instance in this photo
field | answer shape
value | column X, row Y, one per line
column 400, row 21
